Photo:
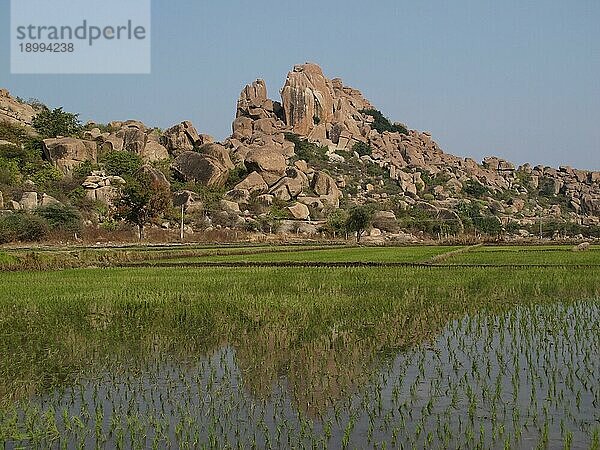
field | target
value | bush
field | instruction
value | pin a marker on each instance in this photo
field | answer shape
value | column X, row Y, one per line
column 311, row 153
column 336, row 221
column 61, row 218
column 121, row 164
column 26, row 153
column 10, row 175
column 382, row 123
column 12, row 133
column 42, row 175
column 362, row 149
column 22, row 227
column 475, row 189
column 83, row 170
column 56, row 122
column 359, row 219
column 473, row 218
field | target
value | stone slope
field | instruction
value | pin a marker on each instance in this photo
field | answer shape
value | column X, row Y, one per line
column 329, row 114
column 322, row 145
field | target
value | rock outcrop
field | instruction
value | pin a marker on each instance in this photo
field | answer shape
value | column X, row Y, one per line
column 181, row 138
column 307, row 99
column 102, row 188
column 68, row 153
column 321, row 146
column 204, row 169
column 15, row 112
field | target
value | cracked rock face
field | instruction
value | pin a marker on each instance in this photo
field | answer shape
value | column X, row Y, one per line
column 307, row 98
column 15, row 112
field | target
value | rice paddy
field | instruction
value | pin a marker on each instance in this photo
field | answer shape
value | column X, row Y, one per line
column 302, row 357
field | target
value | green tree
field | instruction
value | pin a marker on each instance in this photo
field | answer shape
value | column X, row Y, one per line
column 143, row 200
column 382, row 123
column 336, row 221
column 56, row 122
column 475, row 189
column 121, row 164
column 60, row 217
column 362, row 149
column 22, row 227
column 359, row 219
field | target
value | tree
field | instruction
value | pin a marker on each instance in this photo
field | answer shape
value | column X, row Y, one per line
column 121, row 164
column 359, row 219
column 382, row 123
column 362, row 149
column 60, row 217
column 22, row 227
column 56, row 122
column 336, row 221
column 143, row 199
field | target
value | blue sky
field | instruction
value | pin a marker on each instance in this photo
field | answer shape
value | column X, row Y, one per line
column 517, row 79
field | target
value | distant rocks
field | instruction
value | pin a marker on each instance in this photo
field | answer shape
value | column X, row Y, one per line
column 68, row 153
column 102, row 188
column 210, row 169
column 181, row 138
column 584, row 246
column 14, row 111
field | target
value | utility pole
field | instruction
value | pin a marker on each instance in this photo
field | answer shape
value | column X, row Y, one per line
column 541, row 233
column 182, row 223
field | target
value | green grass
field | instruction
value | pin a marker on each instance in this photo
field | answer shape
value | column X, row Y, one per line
column 356, row 254
column 369, row 351
column 558, row 255
column 48, row 259
column 6, row 258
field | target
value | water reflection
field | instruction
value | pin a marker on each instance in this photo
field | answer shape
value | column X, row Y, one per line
column 527, row 376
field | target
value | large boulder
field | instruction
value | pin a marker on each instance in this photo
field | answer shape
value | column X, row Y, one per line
column 204, row 169
column 242, row 127
column 154, row 150
column 48, row 200
column 290, row 186
column 14, row 111
column 253, row 183
column 386, row 221
column 307, row 98
column 299, row 211
column 218, row 152
column 268, row 162
column 326, row 188
column 111, row 143
column 133, row 134
column 181, row 138
column 29, row 201
column 68, row 153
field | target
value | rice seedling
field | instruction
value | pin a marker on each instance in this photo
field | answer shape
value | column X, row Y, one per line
column 400, row 357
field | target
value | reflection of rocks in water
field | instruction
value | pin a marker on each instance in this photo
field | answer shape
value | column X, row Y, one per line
column 480, row 382
column 324, row 369
column 322, row 357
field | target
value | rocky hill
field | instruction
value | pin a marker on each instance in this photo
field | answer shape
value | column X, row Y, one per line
column 322, row 147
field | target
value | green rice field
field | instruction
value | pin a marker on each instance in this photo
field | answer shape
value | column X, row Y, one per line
column 479, row 347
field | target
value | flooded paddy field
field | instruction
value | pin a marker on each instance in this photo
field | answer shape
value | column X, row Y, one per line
column 293, row 357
